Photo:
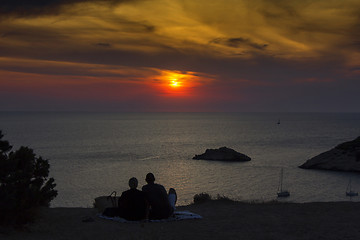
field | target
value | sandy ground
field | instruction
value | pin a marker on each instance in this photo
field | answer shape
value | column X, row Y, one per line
column 221, row 220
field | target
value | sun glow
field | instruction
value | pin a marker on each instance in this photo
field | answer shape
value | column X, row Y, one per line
column 174, row 83
column 177, row 83
column 175, row 79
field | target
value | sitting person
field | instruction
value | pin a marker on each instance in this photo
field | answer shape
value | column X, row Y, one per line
column 159, row 205
column 172, row 196
column 132, row 204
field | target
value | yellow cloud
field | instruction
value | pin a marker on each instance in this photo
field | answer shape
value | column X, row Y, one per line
column 232, row 28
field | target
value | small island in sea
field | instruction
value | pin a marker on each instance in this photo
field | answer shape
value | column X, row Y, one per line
column 222, row 154
column 344, row 157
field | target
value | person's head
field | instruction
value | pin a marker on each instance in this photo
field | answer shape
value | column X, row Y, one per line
column 133, row 183
column 150, row 178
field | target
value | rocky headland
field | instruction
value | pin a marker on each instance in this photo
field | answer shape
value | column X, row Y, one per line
column 222, row 154
column 344, row 157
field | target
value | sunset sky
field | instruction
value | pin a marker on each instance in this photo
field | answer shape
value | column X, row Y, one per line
column 180, row 55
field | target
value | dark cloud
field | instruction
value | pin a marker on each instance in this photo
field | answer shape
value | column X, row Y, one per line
column 134, row 26
column 294, row 15
column 278, row 9
column 31, row 38
column 238, row 42
column 103, row 44
column 355, row 69
column 260, row 68
column 33, row 8
column 149, row 28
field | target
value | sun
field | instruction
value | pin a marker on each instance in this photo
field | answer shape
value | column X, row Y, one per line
column 174, row 80
column 173, row 83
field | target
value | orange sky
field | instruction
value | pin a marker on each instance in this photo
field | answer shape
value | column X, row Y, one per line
column 181, row 55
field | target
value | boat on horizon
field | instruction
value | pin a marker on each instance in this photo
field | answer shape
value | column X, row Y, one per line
column 281, row 192
column 349, row 191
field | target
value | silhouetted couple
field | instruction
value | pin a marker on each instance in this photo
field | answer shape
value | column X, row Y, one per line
column 151, row 203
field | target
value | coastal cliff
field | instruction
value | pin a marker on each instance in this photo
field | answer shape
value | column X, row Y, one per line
column 344, row 157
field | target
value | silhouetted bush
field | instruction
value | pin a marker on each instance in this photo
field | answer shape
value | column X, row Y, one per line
column 223, row 198
column 24, row 184
column 204, row 197
column 201, row 198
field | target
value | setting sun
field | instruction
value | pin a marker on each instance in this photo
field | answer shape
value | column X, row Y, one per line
column 177, row 82
column 174, row 79
column 174, row 83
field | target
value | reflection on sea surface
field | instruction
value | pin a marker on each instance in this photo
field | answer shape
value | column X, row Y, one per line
column 93, row 154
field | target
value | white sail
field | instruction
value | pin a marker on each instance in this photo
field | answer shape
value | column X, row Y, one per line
column 349, row 191
column 281, row 192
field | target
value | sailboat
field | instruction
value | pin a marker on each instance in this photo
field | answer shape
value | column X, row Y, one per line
column 349, row 191
column 281, row 192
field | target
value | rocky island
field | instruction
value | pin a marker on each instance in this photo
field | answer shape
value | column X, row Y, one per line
column 344, row 157
column 222, row 154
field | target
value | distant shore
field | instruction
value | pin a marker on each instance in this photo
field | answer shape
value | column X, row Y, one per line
column 222, row 219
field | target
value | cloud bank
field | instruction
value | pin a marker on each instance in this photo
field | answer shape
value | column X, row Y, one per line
column 261, row 55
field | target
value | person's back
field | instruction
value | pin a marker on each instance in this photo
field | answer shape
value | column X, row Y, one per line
column 133, row 205
column 158, row 199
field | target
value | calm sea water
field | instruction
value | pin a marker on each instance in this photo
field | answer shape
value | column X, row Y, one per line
column 93, row 154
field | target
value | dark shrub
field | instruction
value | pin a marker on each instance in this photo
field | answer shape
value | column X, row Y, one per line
column 24, row 184
column 223, row 198
column 201, row 198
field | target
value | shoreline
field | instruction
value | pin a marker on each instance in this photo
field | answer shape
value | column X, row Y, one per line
column 222, row 219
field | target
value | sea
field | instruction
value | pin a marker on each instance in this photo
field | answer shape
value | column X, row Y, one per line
column 93, row 154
